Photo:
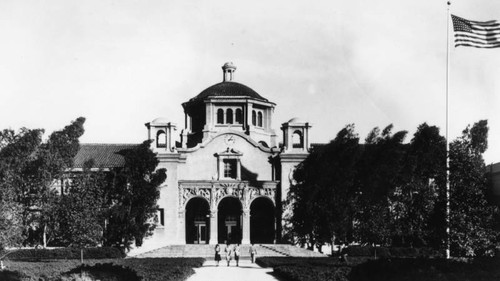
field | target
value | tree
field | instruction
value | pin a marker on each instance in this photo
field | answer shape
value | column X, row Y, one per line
column 417, row 205
column 29, row 168
column 471, row 219
column 322, row 197
column 53, row 158
column 337, row 174
column 379, row 174
column 80, row 210
column 16, row 151
column 10, row 218
column 132, row 197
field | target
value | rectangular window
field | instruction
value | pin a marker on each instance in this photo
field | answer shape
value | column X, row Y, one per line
column 230, row 168
column 160, row 217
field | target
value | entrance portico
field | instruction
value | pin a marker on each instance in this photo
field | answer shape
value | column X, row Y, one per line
column 223, row 210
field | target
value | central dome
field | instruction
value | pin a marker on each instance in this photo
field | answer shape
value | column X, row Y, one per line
column 228, row 89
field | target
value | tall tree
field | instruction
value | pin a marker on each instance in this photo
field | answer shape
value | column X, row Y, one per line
column 16, row 152
column 133, row 196
column 31, row 167
column 11, row 226
column 80, row 210
column 323, row 194
column 53, row 158
column 471, row 221
column 379, row 173
column 417, row 211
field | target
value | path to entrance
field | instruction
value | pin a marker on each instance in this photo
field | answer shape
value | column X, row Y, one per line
column 247, row 271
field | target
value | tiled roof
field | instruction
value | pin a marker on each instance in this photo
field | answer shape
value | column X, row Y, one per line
column 228, row 89
column 104, row 155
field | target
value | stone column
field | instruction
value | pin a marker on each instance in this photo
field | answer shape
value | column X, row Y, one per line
column 214, row 239
column 245, row 239
column 181, row 231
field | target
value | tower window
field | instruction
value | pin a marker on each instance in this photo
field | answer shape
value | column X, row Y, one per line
column 239, row 116
column 254, row 118
column 220, row 116
column 259, row 119
column 230, row 168
column 161, row 139
column 229, row 116
column 297, row 140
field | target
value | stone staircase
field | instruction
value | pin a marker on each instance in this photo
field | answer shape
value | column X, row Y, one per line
column 207, row 251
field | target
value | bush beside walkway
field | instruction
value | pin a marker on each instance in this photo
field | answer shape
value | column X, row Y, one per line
column 164, row 269
column 408, row 269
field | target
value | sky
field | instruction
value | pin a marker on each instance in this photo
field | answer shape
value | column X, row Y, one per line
column 121, row 64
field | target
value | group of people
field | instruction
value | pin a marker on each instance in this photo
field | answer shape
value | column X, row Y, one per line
column 233, row 251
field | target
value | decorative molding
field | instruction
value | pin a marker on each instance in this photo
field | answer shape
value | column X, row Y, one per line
column 215, row 191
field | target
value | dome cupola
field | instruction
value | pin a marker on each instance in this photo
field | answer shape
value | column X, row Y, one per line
column 228, row 106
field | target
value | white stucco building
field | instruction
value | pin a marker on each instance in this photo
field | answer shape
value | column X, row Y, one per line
column 228, row 170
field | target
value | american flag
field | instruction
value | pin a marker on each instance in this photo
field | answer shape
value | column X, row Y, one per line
column 479, row 34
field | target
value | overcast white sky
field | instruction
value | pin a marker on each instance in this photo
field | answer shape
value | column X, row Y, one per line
column 121, row 63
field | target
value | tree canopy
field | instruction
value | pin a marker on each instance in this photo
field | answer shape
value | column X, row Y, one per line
column 92, row 207
column 389, row 192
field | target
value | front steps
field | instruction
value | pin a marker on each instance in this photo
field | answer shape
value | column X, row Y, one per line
column 207, row 251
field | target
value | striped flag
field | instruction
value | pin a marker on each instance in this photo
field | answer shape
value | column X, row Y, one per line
column 479, row 34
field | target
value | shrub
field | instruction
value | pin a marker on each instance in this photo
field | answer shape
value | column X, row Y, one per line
column 64, row 253
column 300, row 261
column 8, row 275
column 106, row 271
column 359, row 251
column 426, row 269
column 312, row 273
column 165, row 269
column 396, row 252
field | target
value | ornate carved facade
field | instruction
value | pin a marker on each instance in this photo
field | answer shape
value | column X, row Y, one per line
column 215, row 191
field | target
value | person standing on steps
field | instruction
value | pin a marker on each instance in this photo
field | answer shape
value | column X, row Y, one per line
column 217, row 254
column 253, row 252
column 229, row 253
column 237, row 254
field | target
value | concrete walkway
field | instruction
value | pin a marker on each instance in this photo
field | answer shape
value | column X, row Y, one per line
column 247, row 271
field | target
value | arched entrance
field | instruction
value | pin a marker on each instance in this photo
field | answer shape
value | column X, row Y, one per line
column 229, row 220
column 197, row 221
column 262, row 228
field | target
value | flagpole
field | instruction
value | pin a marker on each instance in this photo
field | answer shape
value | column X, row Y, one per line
column 447, row 136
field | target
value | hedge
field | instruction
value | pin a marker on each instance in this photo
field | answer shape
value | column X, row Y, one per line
column 426, row 269
column 164, row 269
column 301, row 261
column 312, row 273
column 106, row 271
column 386, row 269
column 396, row 252
column 64, row 253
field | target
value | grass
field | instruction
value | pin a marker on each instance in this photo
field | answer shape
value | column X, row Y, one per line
column 164, row 269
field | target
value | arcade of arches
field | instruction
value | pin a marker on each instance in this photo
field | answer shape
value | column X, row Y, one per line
column 218, row 212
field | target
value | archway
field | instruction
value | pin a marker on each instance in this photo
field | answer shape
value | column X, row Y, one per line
column 262, row 222
column 197, row 221
column 229, row 220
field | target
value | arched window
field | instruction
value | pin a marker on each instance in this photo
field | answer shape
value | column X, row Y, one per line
column 259, row 119
column 161, row 139
column 254, row 118
column 239, row 116
column 220, row 116
column 229, row 116
column 297, row 140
